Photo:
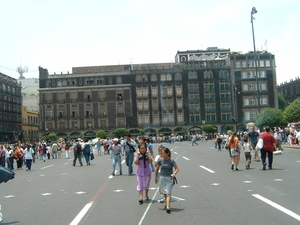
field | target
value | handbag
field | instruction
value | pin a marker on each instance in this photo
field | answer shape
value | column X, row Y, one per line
column 259, row 145
column 92, row 156
column 175, row 180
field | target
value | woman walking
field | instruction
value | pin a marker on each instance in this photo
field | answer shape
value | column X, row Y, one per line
column 28, row 152
column 87, row 152
column 143, row 159
column 166, row 165
column 234, row 149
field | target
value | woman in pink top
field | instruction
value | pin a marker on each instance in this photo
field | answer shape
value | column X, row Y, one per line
column 143, row 160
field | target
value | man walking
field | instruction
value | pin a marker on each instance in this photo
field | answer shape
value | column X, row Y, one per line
column 129, row 146
column 116, row 153
column 77, row 152
column 253, row 135
column 268, row 148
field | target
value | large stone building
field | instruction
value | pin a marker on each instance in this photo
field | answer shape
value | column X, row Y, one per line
column 30, row 125
column 212, row 86
column 10, row 110
column 290, row 90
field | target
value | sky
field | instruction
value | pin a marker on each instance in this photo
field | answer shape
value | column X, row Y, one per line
column 61, row 34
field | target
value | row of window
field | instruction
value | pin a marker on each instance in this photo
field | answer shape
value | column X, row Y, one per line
column 7, row 88
column 251, row 63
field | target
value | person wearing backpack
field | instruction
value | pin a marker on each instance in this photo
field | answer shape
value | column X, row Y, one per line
column 77, row 152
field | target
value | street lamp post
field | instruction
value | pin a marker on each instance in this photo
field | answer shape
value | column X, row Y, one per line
column 253, row 11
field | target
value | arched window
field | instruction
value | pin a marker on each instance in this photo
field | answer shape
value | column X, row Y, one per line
column 138, row 78
column 162, row 77
column 192, row 75
column 178, row 76
column 119, row 80
column 153, row 77
column 208, row 74
column 168, row 77
column 144, row 78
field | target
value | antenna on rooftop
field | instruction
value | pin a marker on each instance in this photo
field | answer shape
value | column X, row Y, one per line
column 21, row 70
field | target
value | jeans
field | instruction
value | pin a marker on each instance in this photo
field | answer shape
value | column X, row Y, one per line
column 87, row 156
column 116, row 159
column 263, row 155
column 54, row 156
column 129, row 161
column 28, row 163
column 77, row 156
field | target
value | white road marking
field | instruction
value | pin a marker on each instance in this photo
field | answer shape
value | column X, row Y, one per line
column 177, row 199
column 209, row 170
column 215, row 184
column 117, row 190
column 64, row 174
column 80, row 192
column 9, row 196
column 47, row 167
column 276, row 206
column 278, row 179
column 185, row 158
column 175, row 153
column 46, row 194
column 184, row 186
column 247, row 181
column 82, row 213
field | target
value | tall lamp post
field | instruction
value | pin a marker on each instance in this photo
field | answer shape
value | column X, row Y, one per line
column 253, row 11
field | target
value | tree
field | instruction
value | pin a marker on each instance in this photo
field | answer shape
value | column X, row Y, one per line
column 282, row 103
column 101, row 134
column 292, row 112
column 228, row 127
column 271, row 117
column 52, row 136
column 120, row 132
column 142, row 132
column 208, row 128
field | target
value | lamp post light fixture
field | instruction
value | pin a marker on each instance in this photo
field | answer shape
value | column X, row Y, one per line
column 253, row 11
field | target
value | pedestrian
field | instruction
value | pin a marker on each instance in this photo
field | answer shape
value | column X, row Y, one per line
column 44, row 152
column 143, row 159
column 20, row 155
column 269, row 145
column 116, row 153
column 99, row 144
column 28, row 152
column 150, row 148
column 54, row 150
column 234, row 148
column 87, row 152
column 194, row 140
column 247, row 151
column 254, row 135
column 77, row 152
column 157, row 158
column 167, row 176
column 67, row 149
column 218, row 140
column 129, row 146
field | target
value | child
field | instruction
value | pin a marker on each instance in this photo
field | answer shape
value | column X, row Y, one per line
column 247, row 148
column 157, row 158
column 143, row 160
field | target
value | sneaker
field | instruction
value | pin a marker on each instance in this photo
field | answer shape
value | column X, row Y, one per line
column 232, row 166
column 162, row 200
column 141, row 201
column 168, row 211
column 264, row 166
column 112, row 174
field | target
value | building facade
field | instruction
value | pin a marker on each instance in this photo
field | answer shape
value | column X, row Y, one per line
column 201, row 87
column 10, row 110
column 290, row 90
column 30, row 125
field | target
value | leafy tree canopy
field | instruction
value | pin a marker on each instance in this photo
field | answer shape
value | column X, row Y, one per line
column 101, row 134
column 271, row 117
column 228, row 127
column 120, row 132
column 292, row 111
column 52, row 136
column 282, row 103
column 208, row 128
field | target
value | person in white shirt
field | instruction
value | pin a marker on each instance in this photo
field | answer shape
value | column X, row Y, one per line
column 28, row 152
column 247, row 148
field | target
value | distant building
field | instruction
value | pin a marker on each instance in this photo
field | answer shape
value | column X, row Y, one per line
column 10, row 109
column 290, row 90
column 30, row 125
column 30, row 93
column 213, row 86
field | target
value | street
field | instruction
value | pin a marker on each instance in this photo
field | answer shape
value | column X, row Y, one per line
column 208, row 192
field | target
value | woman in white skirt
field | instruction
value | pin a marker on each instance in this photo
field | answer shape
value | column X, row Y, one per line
column 166, row 165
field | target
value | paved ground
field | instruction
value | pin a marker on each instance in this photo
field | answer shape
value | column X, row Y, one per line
column 208, row 192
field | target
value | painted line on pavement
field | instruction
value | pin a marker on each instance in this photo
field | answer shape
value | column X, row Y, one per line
column 185, row 158
column 276, row 206
column 209, row 170
column 47, row 167
column 86, row 208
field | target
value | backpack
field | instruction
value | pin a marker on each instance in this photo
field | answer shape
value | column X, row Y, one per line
column 78, row 147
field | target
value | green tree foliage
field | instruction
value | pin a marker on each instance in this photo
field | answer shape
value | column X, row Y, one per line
column 143, row 132
column 120, row 132
column 282, row 103
column 208, row 128
column 228, row 127
column 292, row 112
column 101, row 134
column 52, row 136
column 271, row 117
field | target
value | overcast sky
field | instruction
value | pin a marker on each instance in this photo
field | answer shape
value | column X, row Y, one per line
column 61, row 34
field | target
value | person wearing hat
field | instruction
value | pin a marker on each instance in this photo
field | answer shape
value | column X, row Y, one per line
column 116, row 153
column 129, row 146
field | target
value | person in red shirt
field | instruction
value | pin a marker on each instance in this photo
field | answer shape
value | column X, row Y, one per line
column 269, row 145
